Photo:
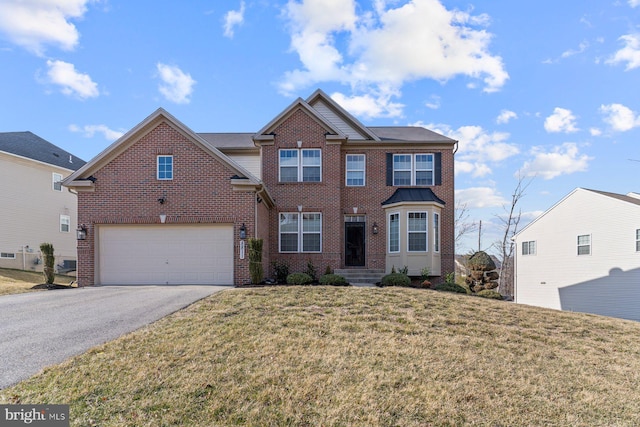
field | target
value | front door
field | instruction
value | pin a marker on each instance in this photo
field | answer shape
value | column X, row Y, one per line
column 354, row 244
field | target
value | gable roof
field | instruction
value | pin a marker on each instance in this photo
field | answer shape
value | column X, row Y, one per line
column 31, row 146
column 615, row 196
column 151, row 122
column 409, row 133
column 413, row 195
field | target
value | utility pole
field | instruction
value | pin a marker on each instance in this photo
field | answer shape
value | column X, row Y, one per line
column 479, row 235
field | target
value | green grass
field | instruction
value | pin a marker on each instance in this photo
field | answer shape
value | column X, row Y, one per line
column 20, row 281
column 310, row 356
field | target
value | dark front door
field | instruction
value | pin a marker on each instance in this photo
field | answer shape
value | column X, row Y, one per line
column 354, row 244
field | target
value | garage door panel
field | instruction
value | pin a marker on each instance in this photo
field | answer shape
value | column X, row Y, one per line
column 167, row 254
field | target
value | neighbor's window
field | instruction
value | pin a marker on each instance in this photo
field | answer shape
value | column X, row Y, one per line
column 417, row 232
column 394, row 232
column 300, row 165
column 57, row 181
column 412, row 169
column 165, row 167
column 436, row 232
column 355, row 170
column 529, row 248
column 7, row 255
column 584, row 244
column 638, row 240
column 65, row 223
column 300, row 232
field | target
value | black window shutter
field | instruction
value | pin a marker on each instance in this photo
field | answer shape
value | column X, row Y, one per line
column 389, row 169
column 437, row 168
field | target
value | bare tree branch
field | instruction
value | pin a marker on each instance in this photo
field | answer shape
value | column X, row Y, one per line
column 462, row 224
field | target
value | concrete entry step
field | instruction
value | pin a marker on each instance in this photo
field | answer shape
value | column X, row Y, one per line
column 360, row 275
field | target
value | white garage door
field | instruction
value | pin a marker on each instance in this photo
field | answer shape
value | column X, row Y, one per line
column 165, row 255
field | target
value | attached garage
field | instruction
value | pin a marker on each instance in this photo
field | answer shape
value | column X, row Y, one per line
column 165, row 254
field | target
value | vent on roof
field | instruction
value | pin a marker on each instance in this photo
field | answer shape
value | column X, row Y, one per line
column 70, row 158
column 56, row 154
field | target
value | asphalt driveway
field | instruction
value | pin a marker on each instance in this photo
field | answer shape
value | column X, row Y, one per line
column 39, row 329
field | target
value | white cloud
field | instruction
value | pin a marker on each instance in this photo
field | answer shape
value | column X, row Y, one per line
column 595, row 131
column 505, row 116
column 232, row 19
column 477, row 148
column 176, row 86
column 581, row 48
column 369, row 105
column 383, row 48
column 620, row 117
column 479, row 197
column 35, row 23
column 564, row 159
column 562, row 120
column 433, row 103
column 634, row 3
column 73, row 83
column 90, row 130
column 630, row 53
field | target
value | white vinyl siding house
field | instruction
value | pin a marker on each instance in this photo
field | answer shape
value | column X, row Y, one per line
column 586, row 255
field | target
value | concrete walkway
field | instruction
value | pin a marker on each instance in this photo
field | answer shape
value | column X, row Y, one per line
column 39, row 329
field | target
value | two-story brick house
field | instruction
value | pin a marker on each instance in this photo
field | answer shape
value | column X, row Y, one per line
column 166, row 205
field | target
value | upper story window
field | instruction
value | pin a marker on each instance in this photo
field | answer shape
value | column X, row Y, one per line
column 65, row 223
column 417, row 232
column 584, row 244
column 638, row 240
column 300, row 232
column 302, row 165
column 57, row 181
column 529, row 248
column 413, row 169
column 355, row 170
column 165, row 168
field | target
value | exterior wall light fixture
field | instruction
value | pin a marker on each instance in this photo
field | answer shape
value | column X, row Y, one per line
column 81, row 232
column 243, row 231
column 375, row 228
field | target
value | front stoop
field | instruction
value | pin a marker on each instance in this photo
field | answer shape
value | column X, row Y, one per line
column 360, row 275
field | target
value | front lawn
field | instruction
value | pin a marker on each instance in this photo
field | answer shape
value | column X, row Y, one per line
column 19, row 281
column 311, row 356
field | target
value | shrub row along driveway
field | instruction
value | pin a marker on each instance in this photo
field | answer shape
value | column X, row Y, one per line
column 44, row 328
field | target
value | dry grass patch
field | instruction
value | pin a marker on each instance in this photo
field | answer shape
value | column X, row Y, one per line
column 310, row 356
column 19, row 281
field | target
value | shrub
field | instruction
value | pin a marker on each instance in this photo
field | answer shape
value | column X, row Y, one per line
column 424, row 273
column 404, row 270
column 311, row 271
column 255, row 260
column 299, row 279
column 396, row 279
column 328, row 270
column 489, row 293
column 450, row 287
column 333, row 280
column 280, row 271
column 49, row 263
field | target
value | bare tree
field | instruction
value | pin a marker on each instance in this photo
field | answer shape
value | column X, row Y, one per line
column 462, row 224
column 505, row 247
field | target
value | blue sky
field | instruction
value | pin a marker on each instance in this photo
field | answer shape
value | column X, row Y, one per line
column 548, row 90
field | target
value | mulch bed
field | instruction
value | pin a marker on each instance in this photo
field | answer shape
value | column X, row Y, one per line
column 52, row 287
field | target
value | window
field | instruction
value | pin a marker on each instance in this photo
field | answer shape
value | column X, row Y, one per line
column 165, row 167
column 409, row 169
column 300, row 232
column 394, row 232
column 300, row 165
column 584, row 244
column 57, row 181
column 417, row 232
column 65, row 223
column 436, row 232
column 7, row 255
column 638, row 240
column 355, row 170
column 529, row 248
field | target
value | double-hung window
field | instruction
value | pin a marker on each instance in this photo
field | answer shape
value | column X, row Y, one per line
column 638, row 240
column 300, row 232
column 65, row 223
column 355, row 170
column 412, row 169
column 436, row 232
column 57, row 181
column 417, row 232
column 303, row 165
column 529, row 248
column 394, row 232
column 584, row 244
column 165, row 168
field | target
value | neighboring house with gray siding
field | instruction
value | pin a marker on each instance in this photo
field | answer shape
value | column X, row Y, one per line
column 34, row 206
column 583, row 254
